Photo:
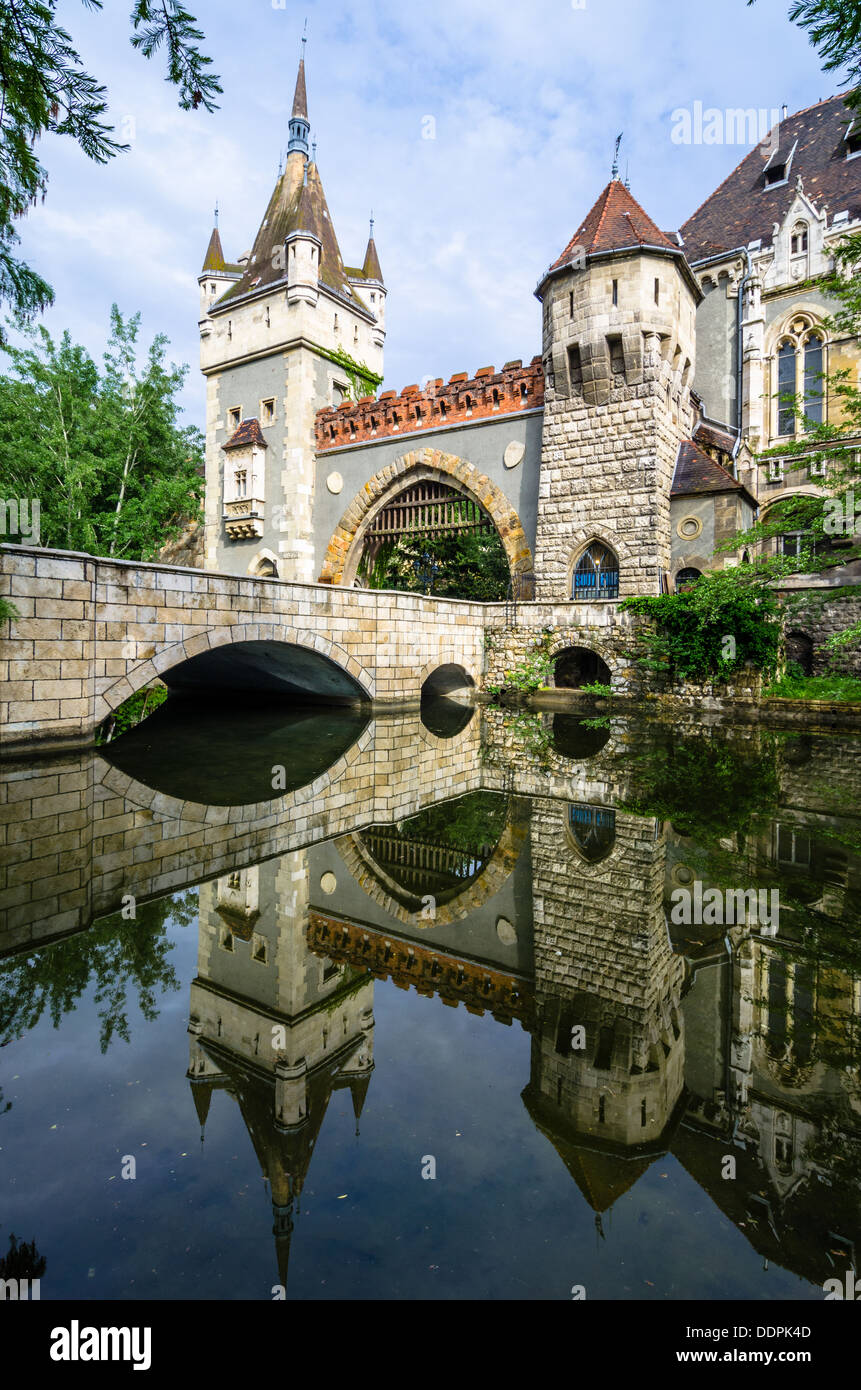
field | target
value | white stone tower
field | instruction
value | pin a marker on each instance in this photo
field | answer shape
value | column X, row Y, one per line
column 280, row 331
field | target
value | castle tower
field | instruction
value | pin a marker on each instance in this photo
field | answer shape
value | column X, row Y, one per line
column 275, row 332
column 618, row 345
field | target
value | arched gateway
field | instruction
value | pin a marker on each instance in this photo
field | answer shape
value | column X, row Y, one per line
column 341, row 561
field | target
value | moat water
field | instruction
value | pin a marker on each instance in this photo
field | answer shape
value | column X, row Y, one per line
column 478, row 1005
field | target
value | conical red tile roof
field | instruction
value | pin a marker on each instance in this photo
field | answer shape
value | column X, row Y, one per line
column 615, row 222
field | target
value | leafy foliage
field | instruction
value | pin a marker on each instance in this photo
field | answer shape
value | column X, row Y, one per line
column 707, row 787
column 131, row 712
column 8, row 611
column 44, row 89
column 476, row 819
column 363, row 381
column 794, row 685
column 534, row 672
column 114, row 471
column 467, row 564
column 689, row 632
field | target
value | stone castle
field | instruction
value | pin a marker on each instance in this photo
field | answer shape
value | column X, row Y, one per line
column 611, row 464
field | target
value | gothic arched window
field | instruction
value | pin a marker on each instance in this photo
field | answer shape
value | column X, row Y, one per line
column 785, row 388
column 798, row 240
column 800, row 373
column 813, row 381
column 596, row 574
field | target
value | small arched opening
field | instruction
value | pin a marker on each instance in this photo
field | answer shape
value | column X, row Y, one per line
column 446, row 704
column 799, row 650
column 687, row 577
column 577, row 739
column 577, row 666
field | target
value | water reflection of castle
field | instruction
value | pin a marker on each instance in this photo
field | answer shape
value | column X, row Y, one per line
column 553, row 914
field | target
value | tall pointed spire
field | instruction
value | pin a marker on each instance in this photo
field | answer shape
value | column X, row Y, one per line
column 299, row 125
column 371, row 267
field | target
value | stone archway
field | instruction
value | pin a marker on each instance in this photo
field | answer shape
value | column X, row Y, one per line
column 341, row 560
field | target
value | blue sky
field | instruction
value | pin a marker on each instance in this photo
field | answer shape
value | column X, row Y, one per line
column 525, row 101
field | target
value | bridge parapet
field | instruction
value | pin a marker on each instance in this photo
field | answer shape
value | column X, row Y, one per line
column 92, row 631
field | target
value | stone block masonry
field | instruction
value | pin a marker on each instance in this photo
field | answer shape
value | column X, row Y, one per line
column 92, row 631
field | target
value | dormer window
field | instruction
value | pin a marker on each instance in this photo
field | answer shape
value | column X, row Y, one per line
column 798, row 240
column 778, row 167
column 853, row 138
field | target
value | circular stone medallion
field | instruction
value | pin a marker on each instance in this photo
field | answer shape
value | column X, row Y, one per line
column 513, row 453
column 505, row 931
column 328, row 883
column 334, row 482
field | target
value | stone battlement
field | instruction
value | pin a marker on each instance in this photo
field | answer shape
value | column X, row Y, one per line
column 482, row 397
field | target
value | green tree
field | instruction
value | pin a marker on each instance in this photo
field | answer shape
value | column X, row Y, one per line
column 114, row 472
column 44, row 89
column 727, row 620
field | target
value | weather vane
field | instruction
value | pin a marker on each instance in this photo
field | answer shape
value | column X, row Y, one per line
column 615, row 172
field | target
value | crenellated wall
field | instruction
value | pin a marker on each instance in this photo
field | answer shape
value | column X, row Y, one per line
column 485, row 396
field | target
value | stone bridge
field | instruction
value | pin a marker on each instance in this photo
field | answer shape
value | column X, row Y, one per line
column 93, row 631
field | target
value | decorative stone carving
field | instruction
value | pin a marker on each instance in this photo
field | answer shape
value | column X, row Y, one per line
column 334, row 483
column 328, row 882
column 513, row 453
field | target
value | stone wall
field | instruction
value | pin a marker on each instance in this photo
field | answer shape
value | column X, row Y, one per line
column 819, row 616
column 512, row 635
column 79, row 834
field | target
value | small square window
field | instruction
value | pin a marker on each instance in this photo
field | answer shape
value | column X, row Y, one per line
column 267, row 411
column 234, row 417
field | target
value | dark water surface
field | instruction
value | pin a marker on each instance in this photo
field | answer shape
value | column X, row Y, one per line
column 434, row 1018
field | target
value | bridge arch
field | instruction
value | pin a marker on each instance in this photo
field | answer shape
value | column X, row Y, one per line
column 358, row 682
column 344, row 551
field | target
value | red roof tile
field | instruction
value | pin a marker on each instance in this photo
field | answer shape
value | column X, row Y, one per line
column 615, row 222
column 249, row 432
